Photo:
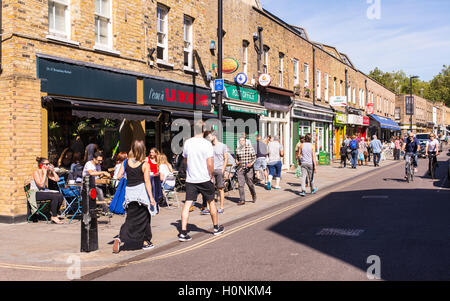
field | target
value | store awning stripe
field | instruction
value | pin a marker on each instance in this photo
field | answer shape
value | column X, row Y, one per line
column 386, row 123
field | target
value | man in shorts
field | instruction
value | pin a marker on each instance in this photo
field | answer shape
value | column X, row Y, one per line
column 261, row 160
column 198, row 154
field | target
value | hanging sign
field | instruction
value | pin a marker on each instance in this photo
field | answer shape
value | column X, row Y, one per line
column 338, row 101
column 370, row 109
column 229, row 65
column 241, row 79
column 265, row 80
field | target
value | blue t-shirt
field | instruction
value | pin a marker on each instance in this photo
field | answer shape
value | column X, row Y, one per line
column 411, row 147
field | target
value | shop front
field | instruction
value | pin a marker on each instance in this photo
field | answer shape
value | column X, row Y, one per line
column 340, row 129
column 384, row 128
column 314, row 120
column 242, row 107
column 278, row 103
column 357, row 125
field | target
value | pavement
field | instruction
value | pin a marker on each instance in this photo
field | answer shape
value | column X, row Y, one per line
column 40, row 251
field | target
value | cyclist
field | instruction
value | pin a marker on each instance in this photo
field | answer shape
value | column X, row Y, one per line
column 411, row 147
column 432, row 148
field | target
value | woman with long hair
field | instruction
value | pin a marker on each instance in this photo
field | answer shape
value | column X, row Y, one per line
column 135, row 233
column 39, row 184
column 165, row 169
column 153, row 160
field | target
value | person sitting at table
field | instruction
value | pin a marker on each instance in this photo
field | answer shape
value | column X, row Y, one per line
column 76, row 169
column 165, row 169
column 91, row 169
column 39, row 184
column 65, row 160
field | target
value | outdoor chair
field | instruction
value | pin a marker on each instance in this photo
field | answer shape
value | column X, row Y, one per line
column 171, row 193
column 40, row 204
column 72, row 198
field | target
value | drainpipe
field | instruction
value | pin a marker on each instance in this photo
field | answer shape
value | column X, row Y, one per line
column 314, row 76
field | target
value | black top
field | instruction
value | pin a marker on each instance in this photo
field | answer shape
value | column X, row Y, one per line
column 135, row 176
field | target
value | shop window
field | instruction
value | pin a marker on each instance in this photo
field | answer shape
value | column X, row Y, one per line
column 188, row 41
column 59, row 18
column 162, row 32
column 103, row 31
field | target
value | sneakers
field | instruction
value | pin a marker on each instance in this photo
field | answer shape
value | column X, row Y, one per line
column 268, row 186
column 302, row 193
column 314, row 191
column 276, row 187
column 416, row 170
column 241, row 203
column 219, row 230
column 148, row 246
column 205, row 211
column 116, row 246
column 220, row 211
column 182, row 237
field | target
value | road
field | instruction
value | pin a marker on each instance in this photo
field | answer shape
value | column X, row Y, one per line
column 328, row 236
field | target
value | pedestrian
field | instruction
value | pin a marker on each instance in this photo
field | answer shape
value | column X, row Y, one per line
column 245, row 159
column 276, row 152
column 93, row 168
column 136, row 233
column 198, row 154
column 220, row 164
column 397, row 148
column 307, row 159
column 369, row 149
column 121, row 157
column 343, row 153
column 362, row 152
column 377, row 148
column 261, row 160
column 353, row 145
column 39, row 191
column 90, row 150
column 155, row 179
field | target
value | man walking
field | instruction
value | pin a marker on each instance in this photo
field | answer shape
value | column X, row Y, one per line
column 261, row 162
column 377, row 148
column 245, row 158
column 307, row 158
column 354, row 148
column 198, row 154
column 220, row 164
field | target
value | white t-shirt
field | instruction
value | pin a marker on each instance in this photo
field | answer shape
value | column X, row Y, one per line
column 89, row 166
column 197, row 151
column 164, row 171
column 433, row 145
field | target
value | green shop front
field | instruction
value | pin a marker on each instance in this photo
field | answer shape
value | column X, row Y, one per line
column 242, row 107
column 317, row 121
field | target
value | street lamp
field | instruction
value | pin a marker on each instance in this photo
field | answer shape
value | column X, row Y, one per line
column 411, row 93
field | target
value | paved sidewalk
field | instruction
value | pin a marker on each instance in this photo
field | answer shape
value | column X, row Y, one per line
column 40, row 251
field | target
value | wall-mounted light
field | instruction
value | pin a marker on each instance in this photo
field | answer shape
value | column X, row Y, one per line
column 212, row 47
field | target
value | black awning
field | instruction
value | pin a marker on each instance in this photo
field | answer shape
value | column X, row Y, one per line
column 106, row 110
column 276, row 107
column 190, row 114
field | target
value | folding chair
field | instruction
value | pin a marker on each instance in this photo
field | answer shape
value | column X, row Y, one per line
column 171, row 193
column 41, row 204
column 72, row 196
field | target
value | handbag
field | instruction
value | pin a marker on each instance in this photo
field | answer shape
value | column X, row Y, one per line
column 116, row 205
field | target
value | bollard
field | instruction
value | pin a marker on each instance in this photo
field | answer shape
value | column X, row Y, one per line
column 89, row 230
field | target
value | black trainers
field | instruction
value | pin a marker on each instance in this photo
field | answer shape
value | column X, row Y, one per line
column 148, row 246
column 182, row 237
column 219, row 230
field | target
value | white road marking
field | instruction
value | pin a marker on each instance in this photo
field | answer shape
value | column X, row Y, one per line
column 340, row 232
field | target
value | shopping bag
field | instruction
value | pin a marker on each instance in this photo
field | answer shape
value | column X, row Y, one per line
column 116, row 205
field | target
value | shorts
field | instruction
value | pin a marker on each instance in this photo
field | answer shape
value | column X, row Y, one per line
column 275, row 169
column 260, row 164
column 206, row 189
column 220, row 182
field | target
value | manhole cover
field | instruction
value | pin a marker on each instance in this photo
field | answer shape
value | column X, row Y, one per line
column 340, row 232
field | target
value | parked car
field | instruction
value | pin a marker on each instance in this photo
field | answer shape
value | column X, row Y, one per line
column 423, row 138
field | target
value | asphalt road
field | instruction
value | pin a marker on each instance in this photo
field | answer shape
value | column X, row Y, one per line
column 380, row 223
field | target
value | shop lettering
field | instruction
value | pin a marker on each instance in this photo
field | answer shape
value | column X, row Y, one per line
column 186, row 98
column 155, row 95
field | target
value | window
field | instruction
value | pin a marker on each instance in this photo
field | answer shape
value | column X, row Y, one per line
column 280, row 70
column 59, row 18
column 306, row 75
column 349, row 93
column 245, row 56
column 319, row 85
column 266, row 60
column 188, row 42
column 326, row 87
column 340, row 89
column 296, row 79
column 162, row 29
column 103, row 36
column 354, row 96
column 334, row 87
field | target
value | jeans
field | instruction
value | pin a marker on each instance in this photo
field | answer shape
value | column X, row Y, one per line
column 275, row 169
column 354, row 158
column 408, row 157
column 376, row 158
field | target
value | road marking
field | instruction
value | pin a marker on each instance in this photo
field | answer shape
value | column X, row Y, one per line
column 375, row 197
column 340, row 232
column 197, row 245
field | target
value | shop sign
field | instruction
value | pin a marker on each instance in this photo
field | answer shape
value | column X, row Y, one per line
column 169, row 94
column 370, row 109
column 303, row 114
column 265, row 80
column 341, row 118
column 338, row 101
column 229, row 65
column 355, row 119
column 241, row 79
column 247, row 110
column 366, row 120
column 240, row 93
column 69, row 79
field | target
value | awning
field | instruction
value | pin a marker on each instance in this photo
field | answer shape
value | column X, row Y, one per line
column 258, row 110
column 386, row 123
column 276, row 107
column 190, row 114
column 100, row 109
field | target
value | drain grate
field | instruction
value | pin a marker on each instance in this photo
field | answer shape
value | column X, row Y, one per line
column 340, row 232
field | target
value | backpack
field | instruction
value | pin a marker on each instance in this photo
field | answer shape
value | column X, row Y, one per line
column 353, row 145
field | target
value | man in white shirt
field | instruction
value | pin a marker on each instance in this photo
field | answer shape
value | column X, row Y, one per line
column 90, row 169
column 198, row 155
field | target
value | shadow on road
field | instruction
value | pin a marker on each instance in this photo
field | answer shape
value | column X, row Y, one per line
column 408, row 229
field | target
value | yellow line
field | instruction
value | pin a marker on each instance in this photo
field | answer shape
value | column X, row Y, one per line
column 190, row 248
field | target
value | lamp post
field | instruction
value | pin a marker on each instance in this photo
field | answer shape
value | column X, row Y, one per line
column 411, row 93
column 220, row 58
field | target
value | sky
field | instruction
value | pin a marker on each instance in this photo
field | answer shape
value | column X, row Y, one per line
column 408, row 35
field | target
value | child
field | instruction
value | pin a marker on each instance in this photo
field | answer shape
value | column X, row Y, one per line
column 343, row 153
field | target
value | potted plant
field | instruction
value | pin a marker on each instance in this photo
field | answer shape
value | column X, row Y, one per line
column 307, row 92
column 297, row 89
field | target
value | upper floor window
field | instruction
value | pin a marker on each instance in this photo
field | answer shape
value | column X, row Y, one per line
column 188, row 41
column 306, row 75
column 266, row 60
column 245, row 45
column 103, row 34
column 326, row 87
column 280, row 69
column 296, row 79
column 162, row 52
column 59, row 18
column 354, row 96
column 319, row 84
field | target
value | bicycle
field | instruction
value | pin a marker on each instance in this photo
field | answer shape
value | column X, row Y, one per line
column 432, row 164
column 410, row 168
